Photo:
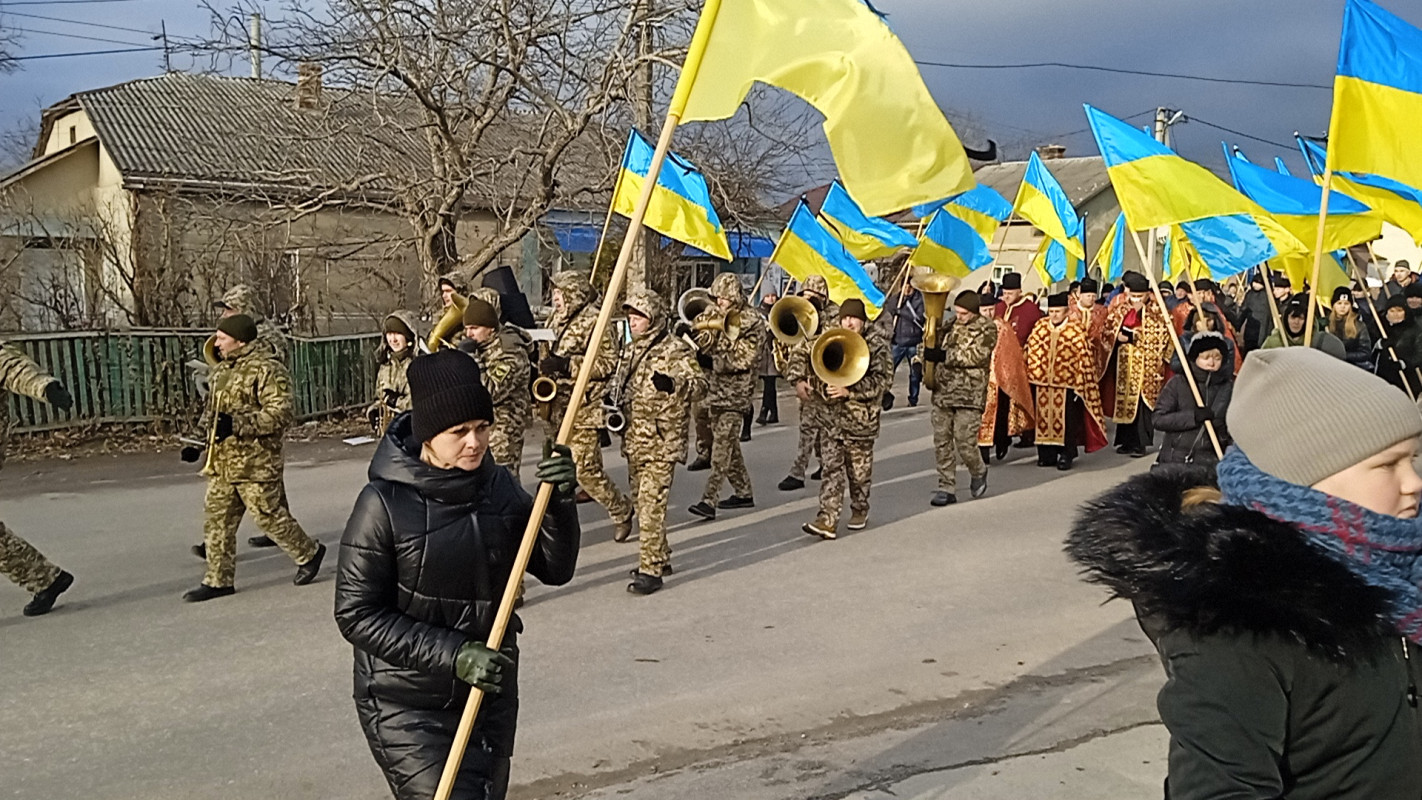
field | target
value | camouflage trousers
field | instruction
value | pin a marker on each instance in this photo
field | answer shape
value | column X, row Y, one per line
column 727, row 463
column 651, row 484
column 848, row 461
column 955, row 441
column 222, row 511
column 809, row 446
column 23, row 564
column 506, row 445
column 701, row 421
column 587, row 456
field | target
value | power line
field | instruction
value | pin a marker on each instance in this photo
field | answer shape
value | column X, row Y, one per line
column 75, row 36
column 38, row 56
column 69, row 21
column 8, row 3
column 1122, row 71
column 1240, row 134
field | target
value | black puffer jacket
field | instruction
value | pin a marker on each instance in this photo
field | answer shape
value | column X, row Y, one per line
column 1187, row 441
column 1284, row 677
column 423, row 563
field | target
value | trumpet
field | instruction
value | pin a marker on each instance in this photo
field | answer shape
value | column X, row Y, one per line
column 935, row 287
column 793, row 320
column 840, row 357
column 451, row 321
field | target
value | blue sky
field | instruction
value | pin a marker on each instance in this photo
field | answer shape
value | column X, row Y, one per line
column 1269, row 40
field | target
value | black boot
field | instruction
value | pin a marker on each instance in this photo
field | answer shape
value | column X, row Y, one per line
column 199, row 550
column 790, row 484
column 701, row 463
column 261, row 541
column 985, row 452
column 205, row 592
column 819, row 473
column 306, row 573
column 44, row 599
column 704, row 510
column 745, row 427
column 736, row 501
column 642, row 583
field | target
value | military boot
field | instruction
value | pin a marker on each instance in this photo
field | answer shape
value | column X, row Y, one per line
column 44, row 599
column 622, row 531
column 701, row 463
column 644, row 584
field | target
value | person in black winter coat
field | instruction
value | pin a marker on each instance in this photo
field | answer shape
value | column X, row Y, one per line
column 1182, row 419
column 1284, row 601
column 424, row 562
column 1345, row 323
column 1404, row 339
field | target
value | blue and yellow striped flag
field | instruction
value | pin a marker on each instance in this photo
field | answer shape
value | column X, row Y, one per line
column 1398, row 203
column 1377, row 96
column 1111, row 256
column 1042, row 202
column 806, row 248
column 950, row 246
column 1054, row 263
column 1295, row 203
column 893, row 146
column 681, row 202
column 865, row 237
column 982, row 208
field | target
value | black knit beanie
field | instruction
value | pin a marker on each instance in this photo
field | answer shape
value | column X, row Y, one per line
column 446, row 390
column 239, row 327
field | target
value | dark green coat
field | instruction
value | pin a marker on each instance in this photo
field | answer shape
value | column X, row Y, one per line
column 1284, row 678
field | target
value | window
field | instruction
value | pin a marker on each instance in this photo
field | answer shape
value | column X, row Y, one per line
column 73, row 134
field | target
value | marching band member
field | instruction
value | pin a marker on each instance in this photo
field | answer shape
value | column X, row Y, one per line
column 793, row 367
column 392, row 391
column 962, row 362
column 506, row 374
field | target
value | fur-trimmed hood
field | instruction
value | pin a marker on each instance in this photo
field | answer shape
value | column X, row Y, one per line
column 1222, row 569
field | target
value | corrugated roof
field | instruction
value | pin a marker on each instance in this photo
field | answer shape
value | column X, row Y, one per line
column 1082, row 178
column 211, row 130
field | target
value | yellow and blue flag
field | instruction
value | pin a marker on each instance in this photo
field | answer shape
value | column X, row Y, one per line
column 981, row 207
column 890, row 140
column 681, row 202
column 1054, row 263
column 1176, row 256
column 1042, row 202
column 865, row 237
column 1377, row 96
column 1111, row 256
column 807, row 248
column 1294, row 203
column 1397, row 202
column 950, row 246
column 1231, row 244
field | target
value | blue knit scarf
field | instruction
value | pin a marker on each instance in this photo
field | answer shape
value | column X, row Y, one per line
column 1382, row 550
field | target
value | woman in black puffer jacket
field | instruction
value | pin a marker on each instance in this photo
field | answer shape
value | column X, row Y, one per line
column 424, row 561
column 1182, row 419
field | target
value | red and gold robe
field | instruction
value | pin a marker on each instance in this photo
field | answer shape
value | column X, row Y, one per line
column 1136, row 370
column 1009, row 374
column 1020, row 316
column 1093, row 322
column 1059, row 361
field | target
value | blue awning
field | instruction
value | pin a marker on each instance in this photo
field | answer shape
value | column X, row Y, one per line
column 575, row 238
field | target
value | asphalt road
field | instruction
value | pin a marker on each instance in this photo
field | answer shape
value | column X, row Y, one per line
column 941, row 653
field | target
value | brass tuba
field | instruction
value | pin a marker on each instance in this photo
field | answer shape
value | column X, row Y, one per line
column 451, row 322
column 692, row 302
column 209, row 351
column 935, row 287
column 793, row 320
column 840, row 357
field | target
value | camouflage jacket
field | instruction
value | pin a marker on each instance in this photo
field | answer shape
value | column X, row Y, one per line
column 390, row 379
column 857, row 417
column 733, row 361
column 271, row 337
column 794, row 363
column 255, row 389
column 961, row 381
column 21, row 375
column 656, row 421
column 242, row 298
column 573, row 336
column 506, row 374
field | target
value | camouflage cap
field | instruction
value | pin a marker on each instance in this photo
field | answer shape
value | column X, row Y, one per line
column 727, row 286
column 575, row 286
column 242, row 299
column 649, row 304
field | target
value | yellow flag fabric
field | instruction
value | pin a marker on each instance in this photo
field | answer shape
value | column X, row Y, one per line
column 1299, row 268
column 891, row 142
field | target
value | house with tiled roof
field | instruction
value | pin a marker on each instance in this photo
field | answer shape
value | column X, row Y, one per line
column 143, row 201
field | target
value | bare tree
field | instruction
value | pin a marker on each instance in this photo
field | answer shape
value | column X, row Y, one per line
column 9, row 43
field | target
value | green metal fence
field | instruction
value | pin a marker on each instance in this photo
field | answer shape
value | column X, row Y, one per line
column 142, row 376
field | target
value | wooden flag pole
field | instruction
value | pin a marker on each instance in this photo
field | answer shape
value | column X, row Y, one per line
column 1372, row 259
column 1382, row 328
column 694, row 55
column 1179, row 348
column 1317, row 258
column 908, row 264
column 1273, row 304
column 606, row 223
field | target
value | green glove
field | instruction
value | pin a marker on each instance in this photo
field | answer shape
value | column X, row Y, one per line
column 481, row 667
column 557, row 467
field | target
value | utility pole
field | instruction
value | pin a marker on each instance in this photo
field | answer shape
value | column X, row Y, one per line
column 254, row 44
column 1164, row 119
column 167, row 53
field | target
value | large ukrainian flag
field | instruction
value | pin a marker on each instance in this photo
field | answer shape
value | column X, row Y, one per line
column 1042, row 202
column 1054, row 263
column 982, row 208
column 950, row 246
column 1377, row 96
column 1295, row 203
column 891, row 142
column 807, row 248
column 681, row 202
column 1398, row 203
column 1111, row 256
column 865, row 237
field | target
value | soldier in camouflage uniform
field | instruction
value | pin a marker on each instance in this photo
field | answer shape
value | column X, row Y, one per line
column 794, row 366
column 242, row 299
column 574, row 316
column 506, row 374
column 962, row 363
column 19, row 560
column 247, row 412
column 662, row 380
column 851, row 424
column 398, row 348
column 735, row 351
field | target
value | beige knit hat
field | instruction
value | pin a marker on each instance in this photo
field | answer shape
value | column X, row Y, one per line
column 1302, row 415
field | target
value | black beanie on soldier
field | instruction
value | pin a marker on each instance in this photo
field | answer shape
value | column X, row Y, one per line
column 239, row 327
column 480, row 313
column 446, row 389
